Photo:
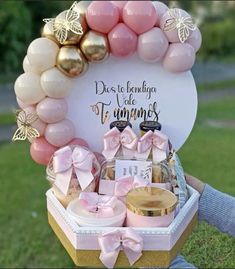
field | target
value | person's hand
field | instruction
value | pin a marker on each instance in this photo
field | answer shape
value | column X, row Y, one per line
column 195, row 183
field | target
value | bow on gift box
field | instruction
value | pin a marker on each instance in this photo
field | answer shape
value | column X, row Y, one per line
column 127, row 140
column 124, row 184
column 112, row 242
column 155, row 141
column 66, row 161
column 102, row 205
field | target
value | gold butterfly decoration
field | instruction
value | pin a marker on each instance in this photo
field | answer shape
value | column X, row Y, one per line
column 179, row 22
column 61, row 27
column 25, row 130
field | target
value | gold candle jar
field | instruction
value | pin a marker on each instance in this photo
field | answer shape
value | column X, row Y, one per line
column 150, row 207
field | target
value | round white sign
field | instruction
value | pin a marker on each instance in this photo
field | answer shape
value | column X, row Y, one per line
column 130, row 89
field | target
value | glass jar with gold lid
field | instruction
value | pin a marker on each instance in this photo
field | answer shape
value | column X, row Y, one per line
column 150, row 207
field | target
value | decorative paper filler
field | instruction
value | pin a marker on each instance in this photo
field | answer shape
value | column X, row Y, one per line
column 181, row 23
column 25, row 130
column 70, row 23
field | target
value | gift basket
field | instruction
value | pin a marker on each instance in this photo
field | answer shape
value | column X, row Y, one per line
column 102, row 103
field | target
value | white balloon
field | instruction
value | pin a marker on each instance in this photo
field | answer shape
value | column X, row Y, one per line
column 42, row 53
column 55, row 84
column 28, row 68
column 28, row 88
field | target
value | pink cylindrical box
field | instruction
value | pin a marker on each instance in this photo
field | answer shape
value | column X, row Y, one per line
column 150, row 207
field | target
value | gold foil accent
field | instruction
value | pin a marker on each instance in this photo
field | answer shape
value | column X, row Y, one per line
column 25, row 130
column 70, row 22
column 151, row 201
column 184, row 24
column 90, row 258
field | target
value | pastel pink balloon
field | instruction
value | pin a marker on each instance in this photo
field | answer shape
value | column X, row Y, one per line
column 172, row 35
column 41, row 151
column 102, row 16
column 21, row 104
column 195, row 39
column 140, row 16
column 61, row 133
column 79, row 142
column 39, row 125
column 52, row 110
column 152, row 45
column 122, row 40
column 120, row 5
column 161, row 9
column 179, row 58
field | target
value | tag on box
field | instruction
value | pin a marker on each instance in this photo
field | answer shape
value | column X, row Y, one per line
column 133, row 168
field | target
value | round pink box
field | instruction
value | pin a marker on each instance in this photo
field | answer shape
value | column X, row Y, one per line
column 150, row 207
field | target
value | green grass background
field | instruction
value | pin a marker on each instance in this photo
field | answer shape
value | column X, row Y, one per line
column 27, row 241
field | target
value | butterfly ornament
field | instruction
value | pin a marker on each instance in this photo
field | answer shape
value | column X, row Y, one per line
column 184, row 24
column 25, row 130
column 61, row 27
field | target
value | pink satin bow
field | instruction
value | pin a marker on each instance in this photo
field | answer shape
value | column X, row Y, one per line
column 124, row 184
column 102, row 205
column 155, row 141
column 66, row 161
column 114, row 139
column 112, row 242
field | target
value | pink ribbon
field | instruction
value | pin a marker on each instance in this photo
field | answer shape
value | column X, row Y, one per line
column 124, row 184
column 126, row 140
column 66, row 161
column 155, row 141
column 112, row 242
column 102, row 205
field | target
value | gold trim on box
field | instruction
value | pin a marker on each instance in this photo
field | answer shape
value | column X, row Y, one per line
column 151, row 201
column 90, row 258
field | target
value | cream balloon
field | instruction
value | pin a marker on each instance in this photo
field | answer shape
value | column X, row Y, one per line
column 42, row 53
column 28, row 68
column 195, row 39
column 55, row 84
column 28, row 88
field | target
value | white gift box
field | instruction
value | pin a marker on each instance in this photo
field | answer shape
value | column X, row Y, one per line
column 160, row 245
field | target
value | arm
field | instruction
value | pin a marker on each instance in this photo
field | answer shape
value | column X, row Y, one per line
column 215, row 207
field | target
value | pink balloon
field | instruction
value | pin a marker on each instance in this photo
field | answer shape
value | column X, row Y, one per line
column 21, row 104
column 140, row 16
column 41, row 151
column 120, row 5
column 161, row 9
column 102, row 16
column 195, row 39
column 179, row 58
column 52, row 110
column 173, row 35
column 39, row 125
column 61, row 133
column 79, row 142
column 122, row 40
column 152, row 45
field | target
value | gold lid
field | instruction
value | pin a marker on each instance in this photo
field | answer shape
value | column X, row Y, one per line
column 151, row 201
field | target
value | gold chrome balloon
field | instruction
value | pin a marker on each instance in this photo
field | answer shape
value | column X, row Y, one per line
column 73, row 38
column 95, row 46
column 82, row 7
column 47, row 31
column 71, row 61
